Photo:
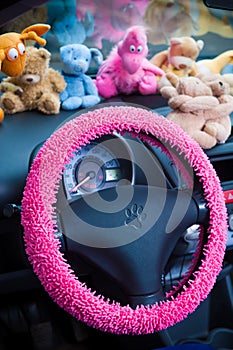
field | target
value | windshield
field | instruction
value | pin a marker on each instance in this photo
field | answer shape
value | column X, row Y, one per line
column 103, row 23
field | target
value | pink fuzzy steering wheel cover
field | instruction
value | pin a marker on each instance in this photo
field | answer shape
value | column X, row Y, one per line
column 42, row 247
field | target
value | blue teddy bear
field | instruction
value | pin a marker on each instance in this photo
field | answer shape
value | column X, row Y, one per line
column 80, row 92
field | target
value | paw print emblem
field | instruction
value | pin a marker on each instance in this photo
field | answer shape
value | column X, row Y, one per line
column 134, row 216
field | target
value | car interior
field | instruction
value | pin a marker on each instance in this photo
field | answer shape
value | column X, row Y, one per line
column 116, row 224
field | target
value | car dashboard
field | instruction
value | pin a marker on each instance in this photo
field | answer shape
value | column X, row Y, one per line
column 118, row 160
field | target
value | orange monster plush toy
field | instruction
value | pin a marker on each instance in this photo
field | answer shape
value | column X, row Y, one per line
column 12, row 50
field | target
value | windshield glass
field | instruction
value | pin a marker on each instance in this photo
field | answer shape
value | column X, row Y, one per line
column 103, row 23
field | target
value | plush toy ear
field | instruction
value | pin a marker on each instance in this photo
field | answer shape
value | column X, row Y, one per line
column 176, row 41
column 97, row 56
column 34, row 32
column 200, row 44
column 44, row 53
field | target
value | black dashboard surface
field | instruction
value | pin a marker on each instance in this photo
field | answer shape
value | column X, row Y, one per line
column 21, row 133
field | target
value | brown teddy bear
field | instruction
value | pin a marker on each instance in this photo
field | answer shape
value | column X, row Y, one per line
column 180, row 57
column 197, row 111
column 37, row 88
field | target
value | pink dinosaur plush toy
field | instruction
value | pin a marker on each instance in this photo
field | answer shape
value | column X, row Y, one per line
column 127, row 70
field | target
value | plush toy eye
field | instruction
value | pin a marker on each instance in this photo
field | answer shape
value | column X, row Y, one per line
column 21, row 48
column 132, row 48
column 12, row 54
column 139, row 48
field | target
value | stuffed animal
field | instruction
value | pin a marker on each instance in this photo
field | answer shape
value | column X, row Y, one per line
column 127, row 69
column 12, row 50
column 38, row 85
column 216, row 64
column 197, row 111
column 219, row 65
column 80, row 90
column 222, row 90
column 180, row 57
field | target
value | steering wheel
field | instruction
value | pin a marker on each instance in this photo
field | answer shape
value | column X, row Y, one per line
column 133, row 258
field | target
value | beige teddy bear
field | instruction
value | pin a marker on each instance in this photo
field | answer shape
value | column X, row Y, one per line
column 197, row 111
column 37, row 88
column 180, row 57
column 219, row 126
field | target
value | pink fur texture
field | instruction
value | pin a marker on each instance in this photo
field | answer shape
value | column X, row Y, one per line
column 127, row 70
column 42, row 246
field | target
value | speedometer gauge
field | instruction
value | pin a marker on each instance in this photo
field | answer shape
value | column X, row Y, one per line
column 92, row 168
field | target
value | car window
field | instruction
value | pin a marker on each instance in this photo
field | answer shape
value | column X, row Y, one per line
column 103, row 23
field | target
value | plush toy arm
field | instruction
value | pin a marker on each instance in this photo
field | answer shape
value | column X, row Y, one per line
column 178, row 101
column 168, row 91
column 224, row 109
column 105, row 68
column 64, row 95
column 105, row 84
column 89, row 86
column 7, row 86
column 147, row 66
column 226, row 99
column 57, row 80
column 159, row 59
column 199, row 103
column 220, row 130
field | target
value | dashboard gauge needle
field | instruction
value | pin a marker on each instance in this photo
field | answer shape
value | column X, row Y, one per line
column 74, row 189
